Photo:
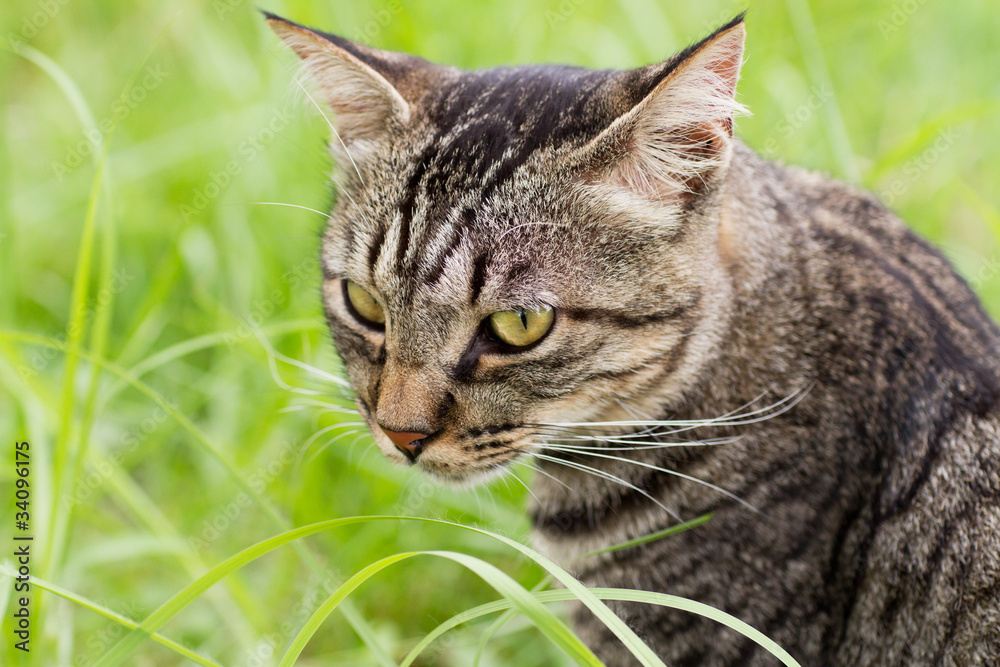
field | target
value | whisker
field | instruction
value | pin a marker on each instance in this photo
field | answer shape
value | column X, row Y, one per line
column 321, row 432
column 308, row 443
column 333, row 129
column 712, row 442
column 680, row 425
column 675, row 473
column 605, row 475
column 543, row 472
column 276, row 203
column 266, row 344
column 340, row 188
column 311, row 402
column 328, row 443
column 507, row 471
column 293, row 408
column 333, row 410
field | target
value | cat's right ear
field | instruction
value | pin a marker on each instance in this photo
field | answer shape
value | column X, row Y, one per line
column 678, row 135
column 369, row 90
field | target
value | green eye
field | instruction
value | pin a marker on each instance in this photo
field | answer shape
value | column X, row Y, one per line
column 364, row 304
column 522, row 326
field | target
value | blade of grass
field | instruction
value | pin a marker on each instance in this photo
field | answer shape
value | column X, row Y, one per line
column 69, row 457
column 359, row 625
column 981, row 207
column 819, row 74
column 916, row 142
column 62, row 448
column 520, row 599
column 491, row 632
column 68, row 87
column 616, row 595
column 204, row 342
column 133, row 498
column 652, row 537
column 128, row 644
column 112, row 615
column 35, row 388
column 500, row 622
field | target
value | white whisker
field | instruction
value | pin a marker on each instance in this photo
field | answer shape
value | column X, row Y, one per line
column 278, row 203
column 333, row 407
column 633, row 446
column 509, row 472
column 266, row 344
column 333, row 129
column 543, row 472
column 329, row 442
column 680, row 425
column 668, row 471
column 605, row 475
column 293, row 408
column 340, row 188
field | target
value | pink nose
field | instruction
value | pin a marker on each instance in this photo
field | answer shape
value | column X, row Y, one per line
column 406, row 442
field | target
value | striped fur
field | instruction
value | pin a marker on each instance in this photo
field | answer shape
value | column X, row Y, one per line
column 857, row 521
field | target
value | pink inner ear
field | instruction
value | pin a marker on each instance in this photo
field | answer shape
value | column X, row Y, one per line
column 676, row 139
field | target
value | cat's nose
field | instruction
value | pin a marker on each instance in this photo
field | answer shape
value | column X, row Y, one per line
column 408, row 442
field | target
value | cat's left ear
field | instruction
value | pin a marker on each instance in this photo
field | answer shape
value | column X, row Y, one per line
column 679, row 134
column 368, row 89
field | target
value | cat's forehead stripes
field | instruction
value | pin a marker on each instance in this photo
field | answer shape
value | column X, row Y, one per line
column 482, row 128
column 476, row 130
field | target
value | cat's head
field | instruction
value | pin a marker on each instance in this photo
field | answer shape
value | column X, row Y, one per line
column 519, row 246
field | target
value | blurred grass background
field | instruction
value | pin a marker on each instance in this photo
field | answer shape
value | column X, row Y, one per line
column 902, row 97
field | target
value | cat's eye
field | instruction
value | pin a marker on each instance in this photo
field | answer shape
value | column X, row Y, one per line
column 364, row 305
column 522, row 326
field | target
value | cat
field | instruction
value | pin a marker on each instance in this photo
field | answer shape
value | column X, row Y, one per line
column 588, row 269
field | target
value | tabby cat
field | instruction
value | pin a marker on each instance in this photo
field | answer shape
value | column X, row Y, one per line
column 587, row 269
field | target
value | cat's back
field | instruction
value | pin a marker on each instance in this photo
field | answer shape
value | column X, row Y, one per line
column 899, row 339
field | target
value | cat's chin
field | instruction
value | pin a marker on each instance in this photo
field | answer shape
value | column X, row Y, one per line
column 462, row 478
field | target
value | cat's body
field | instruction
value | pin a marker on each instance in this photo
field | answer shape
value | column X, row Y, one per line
column 878, row 537
column 683, row 278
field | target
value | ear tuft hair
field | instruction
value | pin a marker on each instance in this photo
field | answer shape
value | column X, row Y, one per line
column 671, row 143
column 365, row 101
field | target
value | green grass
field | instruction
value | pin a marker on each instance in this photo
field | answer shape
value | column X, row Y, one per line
column 144, row 292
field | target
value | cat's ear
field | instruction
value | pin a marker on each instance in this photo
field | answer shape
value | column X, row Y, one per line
column 368, row 89
column 678, row 135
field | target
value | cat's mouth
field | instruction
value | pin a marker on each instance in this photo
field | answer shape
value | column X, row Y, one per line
column 450, row 458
